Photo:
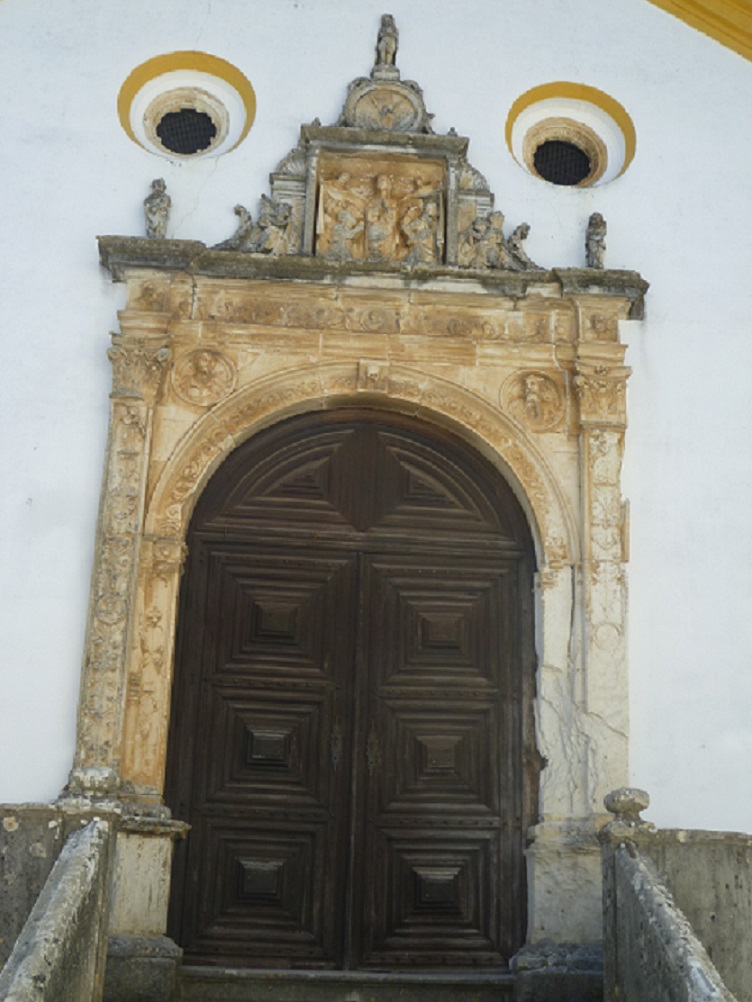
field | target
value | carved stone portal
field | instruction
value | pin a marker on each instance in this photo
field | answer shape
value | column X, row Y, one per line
column 301, row 311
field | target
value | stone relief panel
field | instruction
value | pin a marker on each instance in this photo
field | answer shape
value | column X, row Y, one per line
column 381, row 209
column 535, row 399
column 203, row 377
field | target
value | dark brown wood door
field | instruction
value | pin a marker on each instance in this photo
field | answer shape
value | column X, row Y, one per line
column 351, row 734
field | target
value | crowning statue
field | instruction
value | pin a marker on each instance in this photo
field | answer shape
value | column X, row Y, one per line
column 387, row 42
column 157, row 205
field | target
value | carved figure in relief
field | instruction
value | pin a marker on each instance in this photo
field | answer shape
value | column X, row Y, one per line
column 157, row 205
column 595, row 241
column 387, row 42
column 203, row 377
column 421, row 231
column 382, row 235
column 242, row 238
column 532, row 397
column 535, row 399
column 343, row 235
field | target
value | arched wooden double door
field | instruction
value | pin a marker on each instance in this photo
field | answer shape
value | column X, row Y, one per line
column 351, row 736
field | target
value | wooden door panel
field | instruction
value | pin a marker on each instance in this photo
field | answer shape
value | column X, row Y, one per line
column 438, row 622
column 352, row 707
column 436, row 903
column 265, row 896
column 268, row 722
column 438, row 761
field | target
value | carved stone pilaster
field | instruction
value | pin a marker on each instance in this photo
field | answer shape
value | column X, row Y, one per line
column 604, row 599
column 138, row 369
column 150, row 667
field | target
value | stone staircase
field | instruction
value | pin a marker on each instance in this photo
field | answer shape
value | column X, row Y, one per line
column 202, row 984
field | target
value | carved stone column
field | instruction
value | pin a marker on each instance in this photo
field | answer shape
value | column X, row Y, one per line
column 139, row 361
column 601, row 388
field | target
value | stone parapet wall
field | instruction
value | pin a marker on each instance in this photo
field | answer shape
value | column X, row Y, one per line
column 657, row 955
column 60, row 953
column 709, row 875
column 675, row 903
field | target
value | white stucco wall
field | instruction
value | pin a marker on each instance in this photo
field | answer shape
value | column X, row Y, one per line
column 680, row 215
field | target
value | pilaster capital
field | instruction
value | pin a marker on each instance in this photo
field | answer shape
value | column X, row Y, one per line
column 138, row 365
column 602, row 393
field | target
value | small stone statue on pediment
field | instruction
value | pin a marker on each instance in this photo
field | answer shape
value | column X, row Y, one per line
column 388, row 40
column 242, row 238
column 595, row 241
column 157, row 205
column 520, row 259
column 483, row 245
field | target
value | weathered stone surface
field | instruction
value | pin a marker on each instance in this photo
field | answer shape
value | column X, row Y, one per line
column 651, row 948
column 217, row 985
column 60, row 953
column 549, row 972
column 32, row 837
column 141, row 969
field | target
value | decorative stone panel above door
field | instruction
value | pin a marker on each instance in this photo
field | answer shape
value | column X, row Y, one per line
column 378, row 276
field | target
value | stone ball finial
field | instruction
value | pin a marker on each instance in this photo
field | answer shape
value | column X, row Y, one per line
column 626, row 803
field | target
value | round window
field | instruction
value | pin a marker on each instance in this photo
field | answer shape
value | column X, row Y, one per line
column 570, row 135
column 187, row 105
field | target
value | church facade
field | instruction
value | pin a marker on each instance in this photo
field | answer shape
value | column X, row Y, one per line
column 422, row 524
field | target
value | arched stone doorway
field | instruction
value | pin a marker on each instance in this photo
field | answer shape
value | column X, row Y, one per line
column 352, row 716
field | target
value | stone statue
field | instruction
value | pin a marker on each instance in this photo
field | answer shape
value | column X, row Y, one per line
column 520, row 260
column 157, row 206
column 277, row 231
column 242, row 238
column 595, row 241
column 482, row 244
column 386, row 45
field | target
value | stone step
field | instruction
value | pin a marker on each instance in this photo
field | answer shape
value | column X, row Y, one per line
column 202, row 984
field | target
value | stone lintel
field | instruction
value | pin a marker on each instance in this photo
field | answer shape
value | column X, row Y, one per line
column 384, row 140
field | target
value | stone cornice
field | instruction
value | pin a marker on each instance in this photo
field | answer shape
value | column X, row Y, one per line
column 191, row 257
